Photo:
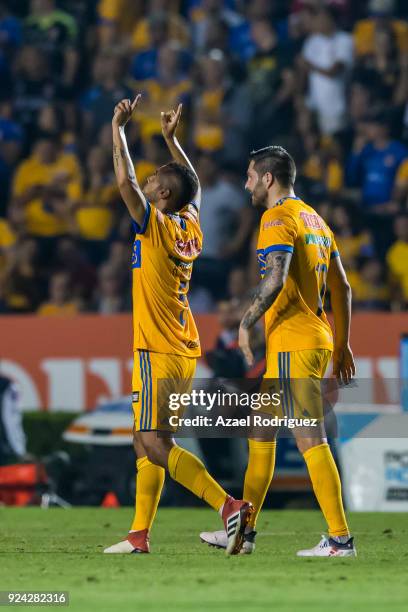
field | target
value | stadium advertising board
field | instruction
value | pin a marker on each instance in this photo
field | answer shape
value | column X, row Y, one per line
column 76, row 362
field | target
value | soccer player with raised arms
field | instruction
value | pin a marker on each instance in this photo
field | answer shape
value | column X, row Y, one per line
column 168, row 239
column 298, row 258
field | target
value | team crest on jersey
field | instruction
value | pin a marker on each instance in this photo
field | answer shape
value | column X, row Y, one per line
column 187, row 248
column 135, row 396
column 274, row 223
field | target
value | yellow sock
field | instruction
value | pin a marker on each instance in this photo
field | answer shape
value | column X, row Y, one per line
column 258, row 475
column 149, row 484
column 189, row 471
column 327, row 487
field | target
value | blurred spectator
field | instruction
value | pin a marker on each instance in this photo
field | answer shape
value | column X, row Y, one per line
column 169, row 83
column 271, row 82
column 55, row 32
column 238, row 284
column 119, row 255
column 11, row 141
column 23, row 280
column 327, row 56
column 94, row 212
column 205, row 14
column 370, row 290
column 154, row 153
column 223, row 111
column 226, row 359
column 397, row 261
column 242, row 41
column 110, row 298
column 208, row 130
column 10, row 39
column 386, row 65
column 45, row 185
column 7, row 240
column 322, row 164
column 225, row 226
column 73, row 261
column 167, row 10
column 352, row 242
column 116, row 20
column 60, row 302
column 401, row 183
column 33, row 87
column 380, row 15
column 159, row 27
column 109, row 86
column 373, row 164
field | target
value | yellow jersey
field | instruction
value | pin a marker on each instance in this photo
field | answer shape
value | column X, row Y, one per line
column 40, row 218
column 397, row 257
column 164, row 250
column 296, row 321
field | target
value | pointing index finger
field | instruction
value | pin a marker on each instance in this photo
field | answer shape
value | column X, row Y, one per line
column 135, row 102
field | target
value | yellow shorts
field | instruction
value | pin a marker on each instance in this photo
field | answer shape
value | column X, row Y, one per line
column 296, row 376
column 155, row 376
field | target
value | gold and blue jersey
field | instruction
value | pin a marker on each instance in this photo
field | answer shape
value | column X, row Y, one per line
column 164, row 250
column 296, row 320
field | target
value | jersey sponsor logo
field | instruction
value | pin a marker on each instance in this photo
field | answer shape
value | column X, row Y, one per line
column 187, row 248
column 191, row 344
column 324, row 241
column 312, row 221
column 274, row 223
column 184, row 265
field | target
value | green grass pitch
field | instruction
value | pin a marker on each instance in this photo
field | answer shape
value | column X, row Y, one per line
column 62, row 550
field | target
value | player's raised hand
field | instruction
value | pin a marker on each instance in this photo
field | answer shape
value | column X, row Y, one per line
column 124, row 110
column 169, row 121
column 244, row 338
column 343, row 364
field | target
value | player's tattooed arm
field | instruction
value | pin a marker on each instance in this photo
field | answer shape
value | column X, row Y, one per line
column 124, row 170
column 169, row 123
column 276, row 271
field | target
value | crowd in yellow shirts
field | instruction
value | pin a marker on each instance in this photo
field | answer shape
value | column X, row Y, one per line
column 330, row 84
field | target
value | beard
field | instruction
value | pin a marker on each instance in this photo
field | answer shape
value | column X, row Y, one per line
column 259, row 196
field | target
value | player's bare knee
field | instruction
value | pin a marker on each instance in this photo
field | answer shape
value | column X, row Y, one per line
column 138, row 445
column 157, row 450
column 304, row 443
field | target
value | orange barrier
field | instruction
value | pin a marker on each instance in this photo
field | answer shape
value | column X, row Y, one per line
column 74, row 362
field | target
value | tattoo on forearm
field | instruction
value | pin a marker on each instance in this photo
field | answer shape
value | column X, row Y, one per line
column 277, row 266
column 119, row 153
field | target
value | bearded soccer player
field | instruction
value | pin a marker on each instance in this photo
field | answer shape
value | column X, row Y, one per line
column 166, row 344
column 298, row 257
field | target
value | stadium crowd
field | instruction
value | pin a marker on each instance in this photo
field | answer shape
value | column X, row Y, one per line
column 327, row 80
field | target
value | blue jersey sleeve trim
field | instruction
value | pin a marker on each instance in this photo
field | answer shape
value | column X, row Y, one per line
column 278, row 247
column 334, row 254
column 141, row 229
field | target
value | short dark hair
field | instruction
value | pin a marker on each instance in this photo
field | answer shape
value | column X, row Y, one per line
column 183, row 182
column 277, row 161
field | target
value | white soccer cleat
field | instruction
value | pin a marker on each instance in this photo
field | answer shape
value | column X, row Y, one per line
column 136, row 542
column 218, row 539
column 327, row 547
column 120, row 548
